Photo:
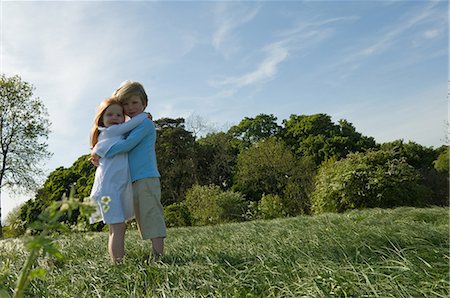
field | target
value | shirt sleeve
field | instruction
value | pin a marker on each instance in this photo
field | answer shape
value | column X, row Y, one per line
column 123, row 128
column 135, row 136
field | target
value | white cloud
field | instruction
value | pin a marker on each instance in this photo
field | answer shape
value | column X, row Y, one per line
column 266, row 70
column 228, row 18
column 384, row 41
column 430, row 34
column 304, row 36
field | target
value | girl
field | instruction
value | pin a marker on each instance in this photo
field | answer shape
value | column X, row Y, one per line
column 112, row 191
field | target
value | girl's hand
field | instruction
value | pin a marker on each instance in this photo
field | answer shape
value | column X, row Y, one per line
column 94, row 159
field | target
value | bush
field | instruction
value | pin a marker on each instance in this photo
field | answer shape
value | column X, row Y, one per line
column 14, row 227
column 366, row 180
column 264, row 168
column 177, row 215
column 271, row 206
column 211, row 205
column 296, row 198
column 441, row 164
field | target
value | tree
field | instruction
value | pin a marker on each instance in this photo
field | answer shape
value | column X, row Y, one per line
column 175, row 151
column 265, row 168
column 209, row 205
column 24, row 129
column 316, row 136
column 252, row 130
column 197, row 125
column 424, row 160
column 418, row 156
column 367, row 180
column 270, row 168
column 216, row 159
column 59, row 182
column 441, row 164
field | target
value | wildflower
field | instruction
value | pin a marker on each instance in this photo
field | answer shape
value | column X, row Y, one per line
column 106, row 199
column 64, row 207
column 105, row 208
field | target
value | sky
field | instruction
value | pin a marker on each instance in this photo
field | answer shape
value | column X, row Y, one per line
column 381, row 65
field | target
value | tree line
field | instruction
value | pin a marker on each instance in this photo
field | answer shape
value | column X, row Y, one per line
column 260, row 169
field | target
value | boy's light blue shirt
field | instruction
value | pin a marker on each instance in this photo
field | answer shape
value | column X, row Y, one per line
column 140, row 145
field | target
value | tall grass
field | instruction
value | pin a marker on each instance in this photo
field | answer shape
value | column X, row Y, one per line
column 401, row 252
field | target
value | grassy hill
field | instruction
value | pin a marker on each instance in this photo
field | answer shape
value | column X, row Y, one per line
column 401, row 252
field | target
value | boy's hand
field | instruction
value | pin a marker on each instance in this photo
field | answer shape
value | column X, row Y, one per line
column 94, row 159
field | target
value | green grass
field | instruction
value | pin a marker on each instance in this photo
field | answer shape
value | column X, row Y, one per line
column 401, row 252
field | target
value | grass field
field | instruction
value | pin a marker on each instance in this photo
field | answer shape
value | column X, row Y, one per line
column 401, row 252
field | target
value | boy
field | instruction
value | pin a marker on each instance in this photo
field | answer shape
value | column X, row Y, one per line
column 140, row 145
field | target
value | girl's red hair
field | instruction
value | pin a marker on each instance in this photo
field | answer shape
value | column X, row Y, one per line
column 98, row 120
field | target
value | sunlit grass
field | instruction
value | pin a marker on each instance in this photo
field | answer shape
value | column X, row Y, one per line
column 401, row 252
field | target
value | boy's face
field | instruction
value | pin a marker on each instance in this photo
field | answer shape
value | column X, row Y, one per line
column 133, row 106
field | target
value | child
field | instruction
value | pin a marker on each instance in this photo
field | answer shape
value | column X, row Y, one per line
column 112, row 191
column 140, row 145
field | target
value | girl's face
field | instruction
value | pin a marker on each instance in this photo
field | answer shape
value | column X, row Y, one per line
column 113, row 115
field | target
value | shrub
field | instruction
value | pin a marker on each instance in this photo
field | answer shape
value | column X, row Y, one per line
column 251, row 212
column 441, row 164
column 271, row 206
column 264, row 168
column 296, row 198
column 177, row 215
column 14, row 227
column 365, row 180
column 211, row 205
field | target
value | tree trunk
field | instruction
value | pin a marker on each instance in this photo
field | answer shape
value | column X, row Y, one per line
column 1, row 227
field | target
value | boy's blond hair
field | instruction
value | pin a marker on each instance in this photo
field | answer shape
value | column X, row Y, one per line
column 128, row 89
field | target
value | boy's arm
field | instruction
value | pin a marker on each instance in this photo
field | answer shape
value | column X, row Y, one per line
column 135, row 136
column 120, row 129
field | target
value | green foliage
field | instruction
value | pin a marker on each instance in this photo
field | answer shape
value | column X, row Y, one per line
column 80, row 175
column 367, row 180
column 210, row 205
column 216, row 159
column 24, row 129
column 271, row 206
column 418, row 156
column 41, row 243
column 177, row 215
column 297, row 194
column 175, row 152
column 441, row 164
column 424, row 160
column 13, row 225
column 252, row 130
column 265, row 168
column 316, row 136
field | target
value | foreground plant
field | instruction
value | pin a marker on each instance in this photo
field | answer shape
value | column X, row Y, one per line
column 40, row 241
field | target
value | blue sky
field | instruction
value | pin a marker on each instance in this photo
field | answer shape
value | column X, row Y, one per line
column 382, row 65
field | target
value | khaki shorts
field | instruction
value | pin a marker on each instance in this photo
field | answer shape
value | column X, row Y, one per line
column 148, row 209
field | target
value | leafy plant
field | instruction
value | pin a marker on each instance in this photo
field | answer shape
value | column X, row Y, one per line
column 271, row 206
column 367, row 180
column 177, row 215
column 210, row 205
column 40, row 241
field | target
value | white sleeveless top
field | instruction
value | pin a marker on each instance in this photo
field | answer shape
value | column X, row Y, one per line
column 112, row 177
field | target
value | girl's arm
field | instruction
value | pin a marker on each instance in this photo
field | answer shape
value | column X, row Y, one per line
column 123, row 128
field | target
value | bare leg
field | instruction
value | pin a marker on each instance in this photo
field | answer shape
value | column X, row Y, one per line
column 158, row 246
column 116, row 243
